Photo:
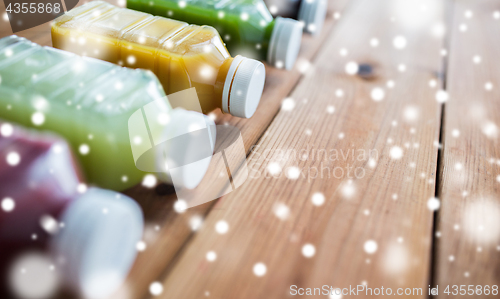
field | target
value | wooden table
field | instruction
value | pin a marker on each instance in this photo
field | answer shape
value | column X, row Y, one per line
column 393, row 105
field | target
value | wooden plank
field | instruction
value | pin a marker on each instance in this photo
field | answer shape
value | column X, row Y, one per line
column 274, row 220
column 167, row 230
column 467, row 251
column 175, row 229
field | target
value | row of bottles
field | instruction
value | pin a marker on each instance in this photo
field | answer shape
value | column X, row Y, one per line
column 181, row 55
column 118, row 127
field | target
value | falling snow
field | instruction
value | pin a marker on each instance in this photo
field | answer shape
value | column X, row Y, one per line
column 180, row 206
column 348, row 189
column 370, row 246
column 281, row 210
column 411, row 113
column 221, row 227
column 433, row 204
column 274, row 168
column 6, row 130
column 399, row 42
column 442, row 96
column 49, row 224
column 38, row 118
column 259, row 269
column 377, row 94
column 308, row 250
column 211, row 256
column 351, row 68
column 156, row 288
column 8, row 204
column 140, row 246
column 318, row 199
column 288, row 104
column 13, row 158
column 84, row 149
column 81, row 188
column 396, row 152
column 293, row 173
column 339, row 93
column 490, row 129
column 195, row 222
column 481, row 221
column 149, row 181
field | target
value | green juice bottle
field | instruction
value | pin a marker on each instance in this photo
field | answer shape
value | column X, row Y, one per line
column 114, row 118
column 246, row 26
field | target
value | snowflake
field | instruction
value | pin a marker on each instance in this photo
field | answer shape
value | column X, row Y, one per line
column 396, row 152
column 370, row 246
column 377, row 94
column 281, row 211
column 13, row 158
column 293, row 173
column 308, row 250
column 288, row 104
column 318, row 199
column 8, row 204
column 221, row 227
column 259, row 269
column 433, row 204
column 156, row 288
column 211, row 256
column 399, row 42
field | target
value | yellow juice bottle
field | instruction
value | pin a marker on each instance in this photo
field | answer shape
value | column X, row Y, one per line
column 181, row 55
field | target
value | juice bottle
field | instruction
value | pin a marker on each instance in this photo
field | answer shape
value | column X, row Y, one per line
column 90, row 102
column 181, row 55
column 46, row 218
column 246, row 26
column 311, row 13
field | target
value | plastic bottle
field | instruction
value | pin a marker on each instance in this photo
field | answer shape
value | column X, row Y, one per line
column 246, row 26
column 311, row 13
column 90, row 102
column 53, row 231
column 181, row 55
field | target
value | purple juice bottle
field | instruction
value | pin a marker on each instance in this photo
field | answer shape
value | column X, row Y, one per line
column 54, row 232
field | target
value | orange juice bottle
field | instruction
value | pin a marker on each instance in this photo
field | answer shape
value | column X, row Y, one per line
column 181, row 55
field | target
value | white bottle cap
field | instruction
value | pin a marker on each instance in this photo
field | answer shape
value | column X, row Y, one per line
column 285, row 41
column 187, row 148
column 312, row 13
column 243, row 87
column 97, row 245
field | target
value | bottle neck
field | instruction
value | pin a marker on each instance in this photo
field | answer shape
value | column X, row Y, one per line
column 221, row 81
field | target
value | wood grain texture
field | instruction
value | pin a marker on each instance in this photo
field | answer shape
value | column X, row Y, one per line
column 175, row 230
column 271, row 219
column 166, row 230
column 469, row 219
